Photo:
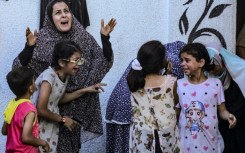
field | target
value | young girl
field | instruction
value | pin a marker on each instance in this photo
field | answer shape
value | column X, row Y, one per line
column 20, row 116
column 200, row 97
column 51, row 85
column 153, row 127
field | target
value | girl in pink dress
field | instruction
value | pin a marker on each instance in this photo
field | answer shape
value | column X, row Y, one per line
column 201, row 97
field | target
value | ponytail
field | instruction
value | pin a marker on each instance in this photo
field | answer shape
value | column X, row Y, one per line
column 150, row 60
column 136, row 80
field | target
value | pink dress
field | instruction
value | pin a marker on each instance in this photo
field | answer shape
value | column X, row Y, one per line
column 198, row 120
column 15, row 128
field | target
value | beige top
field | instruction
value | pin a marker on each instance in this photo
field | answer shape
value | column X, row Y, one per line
column 153, row 109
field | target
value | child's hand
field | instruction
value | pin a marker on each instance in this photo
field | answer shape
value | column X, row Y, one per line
column 96, row 88
column 31, row 37
column 70, row 123
column 232, row 121
column 46, row 147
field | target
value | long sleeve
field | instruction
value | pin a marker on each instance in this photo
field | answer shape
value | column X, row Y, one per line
column 106, row 45
column 26, row 55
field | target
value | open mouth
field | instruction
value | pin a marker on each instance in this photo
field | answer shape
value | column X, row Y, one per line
column 75, row 69
column 64, row 23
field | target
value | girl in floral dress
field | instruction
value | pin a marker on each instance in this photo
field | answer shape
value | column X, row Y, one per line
column 153, row 128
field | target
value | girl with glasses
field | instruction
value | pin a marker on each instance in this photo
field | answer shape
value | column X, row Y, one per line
column 50, row 93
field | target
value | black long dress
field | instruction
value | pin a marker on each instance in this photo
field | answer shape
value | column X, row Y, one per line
column 234, row 139
column 78, row 8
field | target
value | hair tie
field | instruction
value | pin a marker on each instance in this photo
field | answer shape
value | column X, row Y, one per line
column 136, row 65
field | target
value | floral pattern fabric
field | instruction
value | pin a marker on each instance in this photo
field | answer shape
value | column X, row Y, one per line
column 153, row 109
column 118, row 111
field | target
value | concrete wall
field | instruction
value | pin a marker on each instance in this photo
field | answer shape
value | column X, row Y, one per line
column 138, row 22
column 15, row 16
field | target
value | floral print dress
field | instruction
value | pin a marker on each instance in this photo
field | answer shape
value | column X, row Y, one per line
column 153, row 109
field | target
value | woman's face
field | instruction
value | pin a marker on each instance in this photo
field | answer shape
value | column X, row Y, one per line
column 62, row 17
column 217, row 69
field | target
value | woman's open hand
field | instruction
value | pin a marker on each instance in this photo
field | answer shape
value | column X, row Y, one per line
column 106, row 30
column 31, row 38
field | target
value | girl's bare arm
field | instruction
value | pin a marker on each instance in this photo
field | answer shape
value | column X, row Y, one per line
column 27, row 137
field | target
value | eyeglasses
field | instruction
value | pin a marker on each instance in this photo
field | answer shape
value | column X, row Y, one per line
column 79, row 61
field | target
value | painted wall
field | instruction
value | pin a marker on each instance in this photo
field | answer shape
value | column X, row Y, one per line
column 138, row 22
column 203, row 21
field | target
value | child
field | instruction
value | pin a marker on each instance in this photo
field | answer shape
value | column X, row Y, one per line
column 153, row 127
column 51, row 85
column 200, row 96
column 20, row 116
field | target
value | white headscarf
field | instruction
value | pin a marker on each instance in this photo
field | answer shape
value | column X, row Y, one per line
column 224, row 77
column 234, row 65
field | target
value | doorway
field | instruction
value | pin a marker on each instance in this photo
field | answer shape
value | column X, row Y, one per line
column 240, row 15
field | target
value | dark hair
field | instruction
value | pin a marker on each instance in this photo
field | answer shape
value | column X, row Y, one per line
column 63, row 50
column 50, row 8
column 19, row 80
column 151, row 57
column 198, row 51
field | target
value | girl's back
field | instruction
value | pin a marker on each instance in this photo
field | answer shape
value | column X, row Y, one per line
column 153, row 109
